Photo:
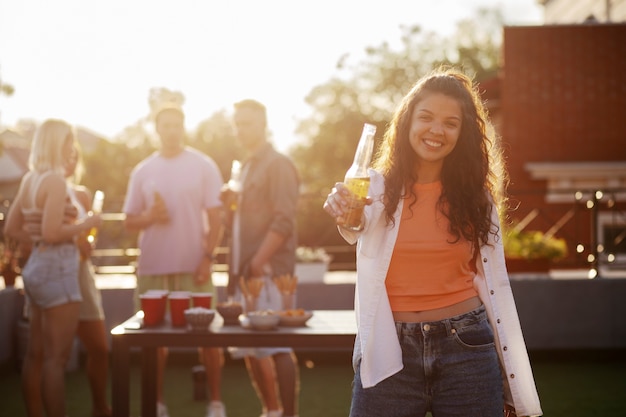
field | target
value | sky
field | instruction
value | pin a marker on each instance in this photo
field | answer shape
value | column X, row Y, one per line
column 94, row 62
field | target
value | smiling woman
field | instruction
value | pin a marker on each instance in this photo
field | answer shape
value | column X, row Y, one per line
column 434, row 133
column 427, row 253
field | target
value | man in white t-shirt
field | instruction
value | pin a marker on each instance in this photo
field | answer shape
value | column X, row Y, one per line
column 173, row 200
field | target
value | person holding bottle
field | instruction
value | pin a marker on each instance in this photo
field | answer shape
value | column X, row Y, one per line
column 173, row 200
column 262, row 228
column 50, row 275
column 91, row 330
column 438, row 330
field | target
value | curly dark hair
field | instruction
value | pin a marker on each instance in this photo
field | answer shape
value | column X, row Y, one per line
column 473, row 174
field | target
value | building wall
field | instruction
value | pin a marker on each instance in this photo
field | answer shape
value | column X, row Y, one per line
column 578, row 11
column 563, row 100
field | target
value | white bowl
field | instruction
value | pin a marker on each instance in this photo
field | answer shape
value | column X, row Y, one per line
column 199, row 318
column 263, row 320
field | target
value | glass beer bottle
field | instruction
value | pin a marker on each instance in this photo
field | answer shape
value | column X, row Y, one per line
column 164, row 215
column 357, row 179
column 96, row 208
column 234, row 184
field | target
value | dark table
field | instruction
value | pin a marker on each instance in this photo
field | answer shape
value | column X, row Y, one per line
column 326, row 329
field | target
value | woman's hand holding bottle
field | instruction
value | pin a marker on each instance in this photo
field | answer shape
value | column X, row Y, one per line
column 347, row 199
column 337, row 204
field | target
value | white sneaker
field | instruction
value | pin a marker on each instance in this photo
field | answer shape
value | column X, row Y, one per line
column 162, row 410
column 216, row 409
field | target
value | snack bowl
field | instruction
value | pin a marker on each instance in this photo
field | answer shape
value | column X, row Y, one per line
column 263, row 319
column 294, row 317
column 199, row 318
column 230, row 311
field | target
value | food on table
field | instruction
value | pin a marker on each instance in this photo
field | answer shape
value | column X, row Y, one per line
column 251, row 287
column 298, row 312
column 286, row 284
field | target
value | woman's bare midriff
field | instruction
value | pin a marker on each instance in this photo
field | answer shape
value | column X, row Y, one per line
column 438, row 313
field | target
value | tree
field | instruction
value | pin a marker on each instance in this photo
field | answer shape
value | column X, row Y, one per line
column 368, row 91
column 215, row 137
column 6, row 89
column 160, row 97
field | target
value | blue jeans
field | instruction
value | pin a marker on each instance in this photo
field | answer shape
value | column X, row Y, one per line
column 51, row 275
column 451, row 368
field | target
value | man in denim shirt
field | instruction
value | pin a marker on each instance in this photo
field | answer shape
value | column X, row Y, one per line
column 263, row 245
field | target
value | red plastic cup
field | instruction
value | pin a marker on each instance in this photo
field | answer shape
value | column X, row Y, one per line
column 202, row 299
column 179, row 302
column 163, row 303
column 152, row 305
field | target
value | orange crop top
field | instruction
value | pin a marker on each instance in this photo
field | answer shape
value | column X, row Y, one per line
column 426, row 270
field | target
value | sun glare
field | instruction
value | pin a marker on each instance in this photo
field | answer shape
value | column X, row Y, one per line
column 99, row 69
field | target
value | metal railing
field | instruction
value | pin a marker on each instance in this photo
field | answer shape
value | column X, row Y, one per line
column 347, row 253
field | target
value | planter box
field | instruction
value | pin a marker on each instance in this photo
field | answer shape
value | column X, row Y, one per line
column 311, row 272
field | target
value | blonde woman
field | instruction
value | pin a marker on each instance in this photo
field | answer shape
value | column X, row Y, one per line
column 51, row 273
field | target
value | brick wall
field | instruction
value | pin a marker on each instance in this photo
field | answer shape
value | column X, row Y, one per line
column 563, row 100
column 564, row 94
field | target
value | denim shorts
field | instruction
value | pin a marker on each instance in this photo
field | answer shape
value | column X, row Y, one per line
column 451, row 368
column 50, row 275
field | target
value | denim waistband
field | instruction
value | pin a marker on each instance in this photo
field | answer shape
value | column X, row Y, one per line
column 443, row 326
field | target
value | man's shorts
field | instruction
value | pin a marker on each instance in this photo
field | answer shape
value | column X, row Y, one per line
column 170, row 282
column 269, row 299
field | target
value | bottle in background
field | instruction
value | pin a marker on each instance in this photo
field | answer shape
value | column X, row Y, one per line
column 357, row 179
column 234, row 184
column 159, row 202
column 96, row 208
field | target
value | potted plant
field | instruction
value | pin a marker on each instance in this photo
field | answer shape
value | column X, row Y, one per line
column 532, row 251
column 311, row 264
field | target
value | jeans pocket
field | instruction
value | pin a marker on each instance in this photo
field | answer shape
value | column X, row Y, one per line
column 476, row 335
column 37, row 270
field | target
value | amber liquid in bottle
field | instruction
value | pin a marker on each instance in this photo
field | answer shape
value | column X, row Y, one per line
column 357, row 180
column 96, row 208
column 234, row 184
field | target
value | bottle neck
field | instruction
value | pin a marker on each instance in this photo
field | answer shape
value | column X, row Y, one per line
column 357, row 170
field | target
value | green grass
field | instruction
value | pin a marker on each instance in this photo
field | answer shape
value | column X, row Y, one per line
column 572, row 384
column 577, row 384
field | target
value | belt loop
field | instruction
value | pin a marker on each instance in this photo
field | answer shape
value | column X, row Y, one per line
column 449, row 329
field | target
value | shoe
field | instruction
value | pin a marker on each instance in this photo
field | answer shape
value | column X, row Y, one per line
column 162, row 410
column 216, row 409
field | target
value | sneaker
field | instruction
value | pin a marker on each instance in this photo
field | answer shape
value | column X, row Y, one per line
column 162, row 410
column 216, row 409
